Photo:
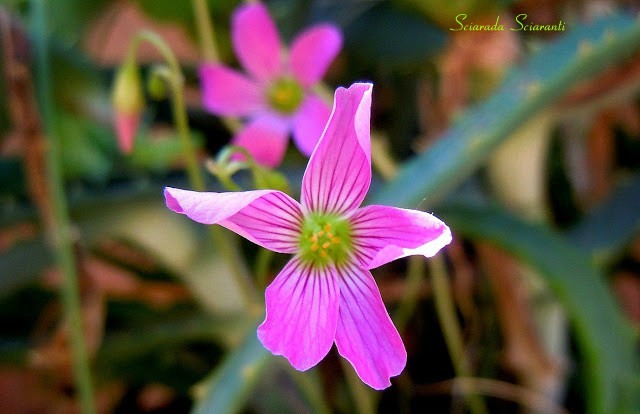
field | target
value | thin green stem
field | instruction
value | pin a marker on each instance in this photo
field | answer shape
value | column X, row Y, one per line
column 451, row 329
column 362, row 396
column 310, row 388
column 60, row 229
column 196, row 178
column 263, row 261
column 415, row 277
column 226, row 243
column 206, row 32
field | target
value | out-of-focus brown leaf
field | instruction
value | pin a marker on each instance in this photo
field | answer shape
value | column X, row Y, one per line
column 155, row 396
column 523, row 353
column 16, row 233
column 54, row 355
column 27, row 136
column 109, row 37
column 115, row 282
column 464, row 283
column 27, row 391
column 483, row 53
column 612, row 81
column 127, row 254
column 600, row 158
column 627, row 288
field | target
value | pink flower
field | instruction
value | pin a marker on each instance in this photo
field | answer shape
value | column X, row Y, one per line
column 277, row 95
column 326, row 294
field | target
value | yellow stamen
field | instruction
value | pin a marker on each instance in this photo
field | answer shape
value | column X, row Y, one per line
column 327, row 227
column 314, row 247
column 323, row 253
column 325, row 245
column 335, row 240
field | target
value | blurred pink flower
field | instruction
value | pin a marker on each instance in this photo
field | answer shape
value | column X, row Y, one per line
column 276, row 96
column 326, row 293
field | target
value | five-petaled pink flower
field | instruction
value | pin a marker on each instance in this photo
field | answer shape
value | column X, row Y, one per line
column 277, row 96
column 326, row 293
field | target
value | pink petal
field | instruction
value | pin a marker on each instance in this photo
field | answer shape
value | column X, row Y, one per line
column 126, row 127
column 265, row 138
column 339, row 172
column 365, row 335
column 313, row 51
column 309, row 123
column 302, row 312
column 382, row 234
column 268, row 218
column 256, row 41
column 227, row 92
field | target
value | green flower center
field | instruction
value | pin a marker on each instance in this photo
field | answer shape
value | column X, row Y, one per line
column 285, row 95
column 325, row 239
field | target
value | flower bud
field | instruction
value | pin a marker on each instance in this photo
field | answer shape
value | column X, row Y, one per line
column 156, row 83
column 128, row 101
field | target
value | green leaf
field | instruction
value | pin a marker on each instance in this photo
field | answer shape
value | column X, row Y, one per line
column 607, row 343
column 83, row 155
column 547, row 75
column 606, row 230
column 158, row 154
column 228, row 387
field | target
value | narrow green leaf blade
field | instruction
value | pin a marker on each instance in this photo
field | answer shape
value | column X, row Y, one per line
column 605, row 231
column 229, row 386
column 545, row 77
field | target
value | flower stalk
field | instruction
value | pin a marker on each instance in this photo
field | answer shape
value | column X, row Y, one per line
column 228, row 246
column 206, row 32
column 60, row 231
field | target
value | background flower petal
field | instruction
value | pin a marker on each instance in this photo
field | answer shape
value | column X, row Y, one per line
column 339, row 171
column 309, row 123
column 313, row 51
column 365, row 335
column 265, row 138
column 268, row 218
column 382, row 234
column 302, row 312
column 256, row 41
column 229, row 93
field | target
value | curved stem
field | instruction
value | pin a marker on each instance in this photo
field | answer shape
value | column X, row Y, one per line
column 361, row 394
column 227, row 244
column 60, row 226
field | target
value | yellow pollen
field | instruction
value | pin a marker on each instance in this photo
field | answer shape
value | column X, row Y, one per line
column 323, row 253
column 327, row 227
column 329, row 235
column 320, row 233
column 313, row 238
column 326, row 245
column 335, row 240
column 314, row 247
